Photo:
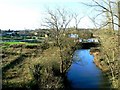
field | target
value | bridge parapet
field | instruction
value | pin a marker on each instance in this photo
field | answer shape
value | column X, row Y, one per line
column 90, row 40
column 89, row 43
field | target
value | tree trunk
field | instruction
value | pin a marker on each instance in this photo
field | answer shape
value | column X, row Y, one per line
column 119, row 16
column 119, row 25
column 119, row 37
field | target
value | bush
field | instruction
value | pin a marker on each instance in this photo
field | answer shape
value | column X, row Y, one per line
column 44, row 46
column 31, row 46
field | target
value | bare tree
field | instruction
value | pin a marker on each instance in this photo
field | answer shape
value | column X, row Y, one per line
column 119, row 16
column 77, row 20
column 119, row 35
column 93, row 21
column 106, row 9
column 58, row 21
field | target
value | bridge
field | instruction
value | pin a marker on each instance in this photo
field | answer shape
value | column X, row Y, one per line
column 88, row 43
column 90, row 40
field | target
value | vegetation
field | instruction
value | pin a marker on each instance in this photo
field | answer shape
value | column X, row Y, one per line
column 108, row 36
column 109, row 57
column 21, row 63
column 44, row 64
column 39, row 65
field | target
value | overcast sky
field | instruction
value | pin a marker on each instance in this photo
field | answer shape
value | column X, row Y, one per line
column 29, row 14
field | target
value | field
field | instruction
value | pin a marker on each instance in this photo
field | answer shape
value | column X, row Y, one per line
column 38, row 65
column 19, row 62
column 16, row 58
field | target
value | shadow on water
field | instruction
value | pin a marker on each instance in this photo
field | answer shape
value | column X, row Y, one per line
column 83, row 73
column 89, row 45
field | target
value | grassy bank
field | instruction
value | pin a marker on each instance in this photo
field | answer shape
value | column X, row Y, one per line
column 42, row 65
column 30, row 65
column 109, row 54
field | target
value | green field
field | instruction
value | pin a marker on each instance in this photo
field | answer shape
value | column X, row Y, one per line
column 12, row 43
column 20, row 58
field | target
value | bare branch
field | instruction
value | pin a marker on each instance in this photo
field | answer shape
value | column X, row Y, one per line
column 93, row 20
column 107, row 8
column 77, row 20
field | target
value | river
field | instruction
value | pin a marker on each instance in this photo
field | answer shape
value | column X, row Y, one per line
column 83, row 73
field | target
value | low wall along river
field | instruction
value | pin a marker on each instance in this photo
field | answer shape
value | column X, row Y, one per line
column 83, row 73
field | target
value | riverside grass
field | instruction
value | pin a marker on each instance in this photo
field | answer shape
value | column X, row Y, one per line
column 110, row 54
column 21, row 73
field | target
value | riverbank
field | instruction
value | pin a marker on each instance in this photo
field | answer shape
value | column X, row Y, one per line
column 84, row 74
column 109, row 54
column 35, row 66
column 39, row 66
column 97, row 60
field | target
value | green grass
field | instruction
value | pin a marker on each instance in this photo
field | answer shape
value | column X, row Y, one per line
column 5, row 45
column 12, row 43
column 21, row 73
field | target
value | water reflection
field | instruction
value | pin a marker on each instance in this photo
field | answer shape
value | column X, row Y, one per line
column 83, row 73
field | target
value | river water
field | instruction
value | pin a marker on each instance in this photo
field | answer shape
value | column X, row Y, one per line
column 83, row 73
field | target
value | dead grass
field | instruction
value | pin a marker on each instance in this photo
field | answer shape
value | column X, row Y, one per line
column 110, row 53
column 20, row 74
